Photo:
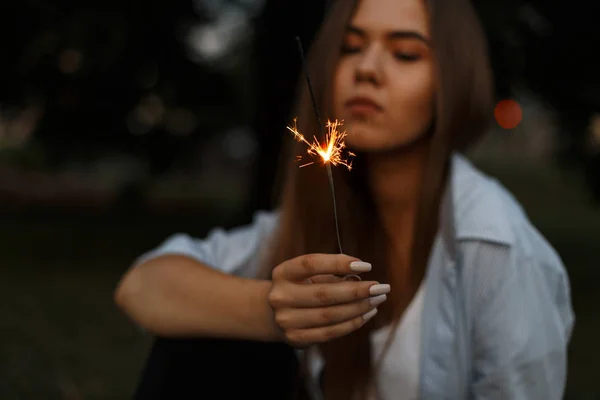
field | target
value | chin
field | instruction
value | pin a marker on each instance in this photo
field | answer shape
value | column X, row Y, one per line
column 372, row 139
column 366, row 139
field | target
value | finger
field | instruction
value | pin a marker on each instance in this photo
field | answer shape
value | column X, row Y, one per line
column 325, row 279
column 304, row 337
column 305, row 318
column 327, row 294
column 306, row 266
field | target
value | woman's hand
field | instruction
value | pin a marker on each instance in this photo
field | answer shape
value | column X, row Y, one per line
column 311, row 305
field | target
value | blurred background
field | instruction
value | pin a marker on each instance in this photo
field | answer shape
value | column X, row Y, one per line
column 122, row 122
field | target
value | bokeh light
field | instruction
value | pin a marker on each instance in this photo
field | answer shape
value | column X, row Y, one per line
column 508, row 114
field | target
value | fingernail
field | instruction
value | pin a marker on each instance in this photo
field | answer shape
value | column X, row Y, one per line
column 379, row 289
column 377, row 300
column 360, row 266
column 369, row 315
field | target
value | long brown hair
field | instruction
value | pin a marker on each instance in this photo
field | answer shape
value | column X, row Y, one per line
column 464, row 99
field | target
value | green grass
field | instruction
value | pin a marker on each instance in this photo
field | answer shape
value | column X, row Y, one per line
column 62, row 338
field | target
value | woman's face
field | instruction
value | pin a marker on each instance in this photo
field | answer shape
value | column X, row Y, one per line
column 384, row 84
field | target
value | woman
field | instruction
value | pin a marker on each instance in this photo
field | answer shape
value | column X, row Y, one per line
column 460, row 296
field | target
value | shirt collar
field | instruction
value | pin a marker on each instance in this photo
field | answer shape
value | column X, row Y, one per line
column 473, row 207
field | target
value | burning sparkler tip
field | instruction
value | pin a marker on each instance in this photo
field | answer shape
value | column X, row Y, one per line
column 331, row 152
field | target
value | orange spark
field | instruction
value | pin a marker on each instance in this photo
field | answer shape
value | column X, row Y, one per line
column 332, row 151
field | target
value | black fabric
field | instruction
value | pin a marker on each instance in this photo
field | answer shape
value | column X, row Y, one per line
column 217, row 368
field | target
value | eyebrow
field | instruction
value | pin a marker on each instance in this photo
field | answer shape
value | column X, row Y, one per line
column 392, row 35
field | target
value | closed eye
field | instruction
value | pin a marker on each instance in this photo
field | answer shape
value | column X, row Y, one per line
column 408, row 57
column 350, row 50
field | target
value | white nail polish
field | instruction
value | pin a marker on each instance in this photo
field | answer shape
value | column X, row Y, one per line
column 377, row 300
column 360, row 266
column 379, row 289
column 369, row 315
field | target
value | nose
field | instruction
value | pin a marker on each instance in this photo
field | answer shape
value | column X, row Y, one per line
column 368, row 68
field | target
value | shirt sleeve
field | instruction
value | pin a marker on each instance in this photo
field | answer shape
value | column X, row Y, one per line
column 234, row 252
column 522, row 324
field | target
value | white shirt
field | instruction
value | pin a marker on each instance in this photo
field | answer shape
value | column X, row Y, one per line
column 495, row 310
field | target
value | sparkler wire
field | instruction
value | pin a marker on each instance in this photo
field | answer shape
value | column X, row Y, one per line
column 318, row 115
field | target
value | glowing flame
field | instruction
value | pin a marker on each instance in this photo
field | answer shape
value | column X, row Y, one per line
column 332, row 151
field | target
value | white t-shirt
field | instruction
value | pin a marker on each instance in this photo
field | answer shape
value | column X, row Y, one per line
column 398, row 376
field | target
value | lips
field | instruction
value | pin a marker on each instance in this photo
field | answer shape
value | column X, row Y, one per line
column 362, row 105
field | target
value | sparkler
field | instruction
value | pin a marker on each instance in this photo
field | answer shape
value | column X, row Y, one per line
column 331, row 152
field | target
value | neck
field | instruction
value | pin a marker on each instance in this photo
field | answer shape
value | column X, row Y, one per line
column 395, row 181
